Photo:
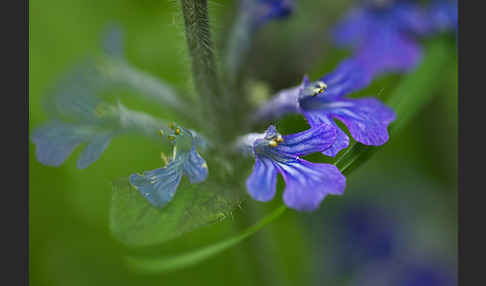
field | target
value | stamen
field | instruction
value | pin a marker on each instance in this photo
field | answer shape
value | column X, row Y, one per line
column 171, row 137
column 177, row 131
column 280, row 139
column 321, row 87
column 164, row 158
column 172, row 125
column 273, row 143
column 161, row 132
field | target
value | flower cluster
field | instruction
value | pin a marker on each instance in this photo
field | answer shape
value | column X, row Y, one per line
column 383, row 36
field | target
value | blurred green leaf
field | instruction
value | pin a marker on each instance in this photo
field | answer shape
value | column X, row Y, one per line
column 136, row 223
column 153, row 265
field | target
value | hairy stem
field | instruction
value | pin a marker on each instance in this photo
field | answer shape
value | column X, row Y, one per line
column 204, row 69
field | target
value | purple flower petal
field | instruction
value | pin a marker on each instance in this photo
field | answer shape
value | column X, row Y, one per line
column 261, row 184
column 313, row 140
column 367, row 119
column 349, row 76
column 389, row 52
column 342, row 140
column 285, row 101
column 352, row 28
column 411, row 18
column 307, row 184
column 268, row 10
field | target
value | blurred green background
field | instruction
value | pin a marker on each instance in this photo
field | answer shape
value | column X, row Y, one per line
column 69, row 240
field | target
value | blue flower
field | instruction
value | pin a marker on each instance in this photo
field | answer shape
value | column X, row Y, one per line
column 420, row 273
column 382, row 34
column 264, row 11
column 159, row 186
column 366, row 118
column 78, row 115
column 56, row 140
column 76, row 119
column 366, row 233
column 307, row 184
column 348, row 77
column 443, row 14
column 410, row 271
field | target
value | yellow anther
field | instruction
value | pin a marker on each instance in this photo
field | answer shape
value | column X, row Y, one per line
column 321, row 87
column 172, row 125
column 161, row 132
column 204, row 165
column 273, row 143
column 171, row 137
column 280, row 139
column 177, row 131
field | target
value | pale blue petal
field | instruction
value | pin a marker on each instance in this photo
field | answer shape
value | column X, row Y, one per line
column 55, row 141
column 261, row 184
column 195, row 168
column 159, row 186
column 96, row 146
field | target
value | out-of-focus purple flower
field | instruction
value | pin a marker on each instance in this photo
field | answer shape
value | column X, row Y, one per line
column 381, row 33
column 421, row 274
column 263, row 11
column 366, row 118
column 409, row 271
column 159, row 186
column 443, row 14
column 366, row 233
column 307, row 184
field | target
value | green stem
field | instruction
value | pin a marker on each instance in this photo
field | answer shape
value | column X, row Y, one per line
column 204, row 69
column 166, row 264
column 239, row 43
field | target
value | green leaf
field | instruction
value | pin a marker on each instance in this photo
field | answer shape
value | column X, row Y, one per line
column 154, row 265
column 136, row 223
